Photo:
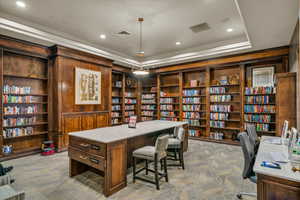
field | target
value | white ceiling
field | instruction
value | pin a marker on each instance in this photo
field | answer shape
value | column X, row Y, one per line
column 257, row 24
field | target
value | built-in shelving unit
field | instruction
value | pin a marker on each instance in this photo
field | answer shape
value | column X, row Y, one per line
column 117, row 98
column 148, row 99
column 169, row 97
column 130, row 97
column 24, row 103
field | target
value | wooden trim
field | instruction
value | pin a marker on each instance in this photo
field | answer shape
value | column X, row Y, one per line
column 231, row 59
column 21, row 46
column 84, row 113
column 79, row 55
column 119, row 68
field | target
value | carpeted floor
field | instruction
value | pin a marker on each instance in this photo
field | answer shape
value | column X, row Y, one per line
column 213, row 172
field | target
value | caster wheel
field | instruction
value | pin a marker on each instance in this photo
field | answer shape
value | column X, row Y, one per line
column 239, row 196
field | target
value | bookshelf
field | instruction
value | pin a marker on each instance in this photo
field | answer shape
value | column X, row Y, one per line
column 169, row 97
column 194, row 102
column 225, row 106
column 130, row 97
column 24, row 103
column 117, row 98
column 148, row 104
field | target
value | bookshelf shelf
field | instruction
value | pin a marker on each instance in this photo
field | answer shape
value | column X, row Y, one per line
column 24, row 136
column 25, row 77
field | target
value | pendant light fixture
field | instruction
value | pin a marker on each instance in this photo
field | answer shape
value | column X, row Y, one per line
column 140, row 53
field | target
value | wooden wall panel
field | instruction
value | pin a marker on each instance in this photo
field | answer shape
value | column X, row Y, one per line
column 65, row 110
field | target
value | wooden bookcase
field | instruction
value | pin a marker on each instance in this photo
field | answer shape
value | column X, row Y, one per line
column 24, row 103
column 169, row 96
column 148, row 105
column 117, row 98
column 194, row 101
column 130, row 97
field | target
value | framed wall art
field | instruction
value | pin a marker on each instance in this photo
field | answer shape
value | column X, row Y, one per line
column 87, row 86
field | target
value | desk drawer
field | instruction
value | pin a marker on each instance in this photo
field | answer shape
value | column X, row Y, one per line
column 88, row 146
column 94, row 161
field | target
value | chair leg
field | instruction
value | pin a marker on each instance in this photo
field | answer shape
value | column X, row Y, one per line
column 181, row 158
column 175, row 154
column 156, row 173
column 161, row 165
column 133, row 168
column 166, row 169
column 146, row 167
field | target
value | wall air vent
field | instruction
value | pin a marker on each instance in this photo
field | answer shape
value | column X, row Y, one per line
column 200, row 27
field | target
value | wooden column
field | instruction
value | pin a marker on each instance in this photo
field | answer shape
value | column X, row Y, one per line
column 207, row 84
column 158, row 96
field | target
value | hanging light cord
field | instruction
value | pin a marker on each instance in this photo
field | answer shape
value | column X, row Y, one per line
column 141, row 33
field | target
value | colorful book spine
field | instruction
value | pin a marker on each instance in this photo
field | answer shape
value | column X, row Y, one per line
column 131, row 107
column 257, row 118
column 167, row 100
column 217, row 90
column 194, row 133
column 259, row 108
column 191, row 100
column 115, row 114
column 116, row 107
column 192, row 122
column 217, row 124
column 167, row 107
column 148, row 107
column 191, row 92
column 221, row 108
column 191, row 115
column 191, row 108
column 15, row 132
column 219, row 116
column 147, row 113
column 260, row 90
column 257, row 99
column 130, row 101
column 220, row 98
column 167, row 114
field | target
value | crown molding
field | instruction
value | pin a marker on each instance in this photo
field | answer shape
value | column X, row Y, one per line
column 122, row 60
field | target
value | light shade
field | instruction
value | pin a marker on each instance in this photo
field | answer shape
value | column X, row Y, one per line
column 140, row 72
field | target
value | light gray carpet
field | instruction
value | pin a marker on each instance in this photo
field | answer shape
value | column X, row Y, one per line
column 213, row 172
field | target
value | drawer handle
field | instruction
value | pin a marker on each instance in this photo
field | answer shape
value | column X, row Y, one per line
column 83, row 157
column 84, row 145
column 93, row 160
column 95, row 147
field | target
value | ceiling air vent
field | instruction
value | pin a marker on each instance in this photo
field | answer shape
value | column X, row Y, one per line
column 200, row 27
column 123, row 33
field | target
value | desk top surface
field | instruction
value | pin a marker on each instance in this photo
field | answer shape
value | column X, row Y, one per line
column 264, row 155
column 116, row 133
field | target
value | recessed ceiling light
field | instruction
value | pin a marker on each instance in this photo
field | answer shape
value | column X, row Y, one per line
column 178, row 43
column 229, row 30
column 21, row 4
column 103, row 36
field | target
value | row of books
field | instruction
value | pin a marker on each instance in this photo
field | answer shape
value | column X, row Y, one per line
column 116, row 100
column 167, row 114
column 130, row 101
column 260, row 127
column 129, row 107
column 20, row 109
column 15, row 132
column 146, row 118
column 219, row 116
column 115, row 114
column 194, row 133
column 129, row 113
column 221, row 108
column 260, row 108
column 220, row 98
column 116, row 108
column 148, row 101
column 149, row 107
column 191, row 115
column 191, row 100
column 167, row 107
column 117, row 84
column 148, row 96
column 7, row 89
column 18, row 99
column 217, row 124
column 115, row 121
column 191, row 92
column 167, row 100
column 169, row 119
column 260, row 90
column 148, row 113
column 216, row 135
column 257, row 99
column 217, row 90
column 191, row 107
column 258, row 118
column 19, row 121
column 193, row 122
column 129, row 94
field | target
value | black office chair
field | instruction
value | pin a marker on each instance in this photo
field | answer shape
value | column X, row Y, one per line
column 249, row 159
column 251, row 130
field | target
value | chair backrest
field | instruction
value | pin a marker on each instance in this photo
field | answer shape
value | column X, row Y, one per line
column 249, row 155
column 180, row 134
column 251, row 130
column 175, row 133
column 284, row 129
column 161, row 145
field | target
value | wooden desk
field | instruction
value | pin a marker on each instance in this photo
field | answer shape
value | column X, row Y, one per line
column 108, row 150
column 275, row 184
